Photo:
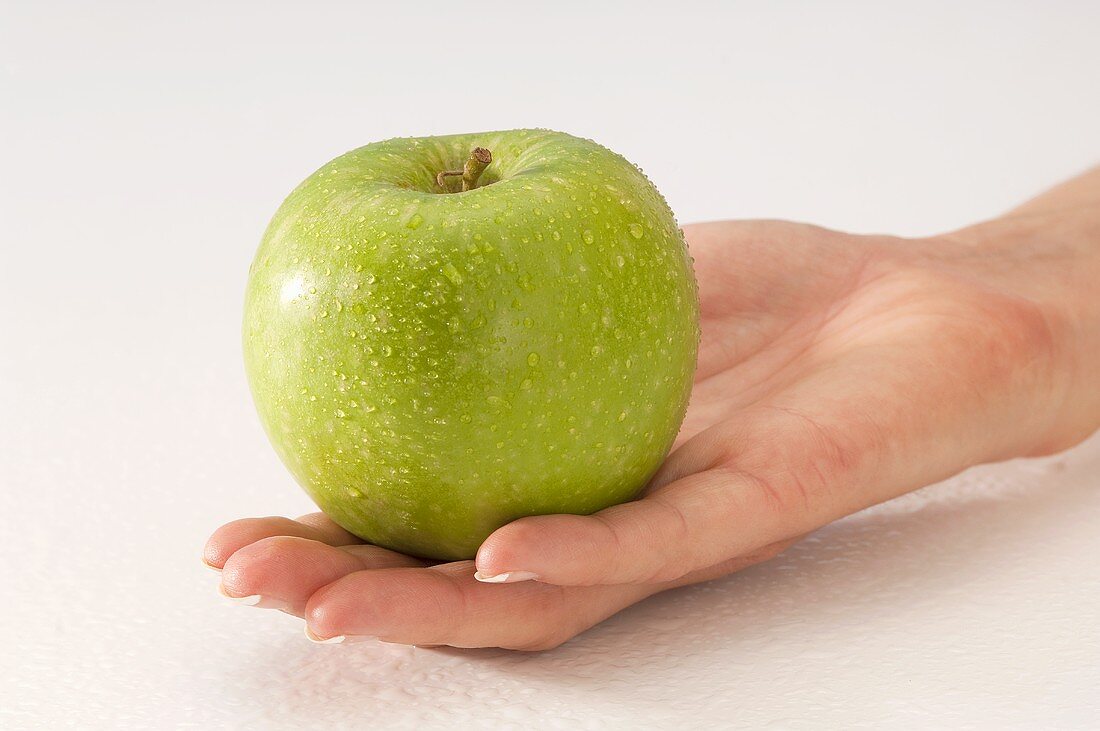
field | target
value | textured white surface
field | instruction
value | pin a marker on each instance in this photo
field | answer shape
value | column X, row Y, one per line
column 141, row 153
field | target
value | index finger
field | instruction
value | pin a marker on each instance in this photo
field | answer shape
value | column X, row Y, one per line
column 234, row 536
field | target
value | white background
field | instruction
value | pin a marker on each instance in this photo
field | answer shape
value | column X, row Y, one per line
column 143, row 148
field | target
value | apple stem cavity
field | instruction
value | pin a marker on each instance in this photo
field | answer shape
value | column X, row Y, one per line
column 479, row 160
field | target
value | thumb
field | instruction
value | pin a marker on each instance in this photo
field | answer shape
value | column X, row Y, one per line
column 696, row 522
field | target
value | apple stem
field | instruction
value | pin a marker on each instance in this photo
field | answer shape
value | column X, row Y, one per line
column 479, row 160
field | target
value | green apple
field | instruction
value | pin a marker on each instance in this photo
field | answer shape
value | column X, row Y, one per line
column 433, row 356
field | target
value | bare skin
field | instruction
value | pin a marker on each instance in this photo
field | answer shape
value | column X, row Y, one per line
column 836, row 371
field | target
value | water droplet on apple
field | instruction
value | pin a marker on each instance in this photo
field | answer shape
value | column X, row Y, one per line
column 352, row 492
column 415, row 221
column 533, row 359
column 392, row 212
column 588, row 237
column 387, row 350
column 465, row 418
column 620, row 261
column 622, row 416
column 526, row 385
column 341, row 414
column 452, row 274
column 636, row 230
column 556, row 235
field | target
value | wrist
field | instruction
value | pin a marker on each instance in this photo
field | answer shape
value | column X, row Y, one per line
column 1048, row 263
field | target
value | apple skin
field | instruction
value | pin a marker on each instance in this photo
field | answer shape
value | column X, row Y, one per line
column 431, row 366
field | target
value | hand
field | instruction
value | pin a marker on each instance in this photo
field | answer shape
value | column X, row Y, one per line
column 835, row 372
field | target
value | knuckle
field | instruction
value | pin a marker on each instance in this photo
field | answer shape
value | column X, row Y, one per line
column 236, row 534
column 265, row 551
column 254, row 566
column 245, row 526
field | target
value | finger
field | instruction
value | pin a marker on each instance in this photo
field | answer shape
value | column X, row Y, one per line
column 281, row 572
column 658, row 538
column 445, row 605
column 694, row 517
column 233, row 536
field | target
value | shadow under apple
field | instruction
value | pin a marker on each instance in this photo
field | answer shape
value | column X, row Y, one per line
column 955, row 548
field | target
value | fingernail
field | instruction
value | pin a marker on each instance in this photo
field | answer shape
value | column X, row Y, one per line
column 508, row 577
column 253, row 600
column 323, row 640
column 210, row 566
column 338, row 639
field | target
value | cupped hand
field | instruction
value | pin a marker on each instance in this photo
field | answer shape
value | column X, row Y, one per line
column 835, row 372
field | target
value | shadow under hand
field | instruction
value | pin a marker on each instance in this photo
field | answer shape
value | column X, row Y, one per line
column 956, row 547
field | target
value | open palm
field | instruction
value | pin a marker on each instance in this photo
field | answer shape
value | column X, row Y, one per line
column 835, row 371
